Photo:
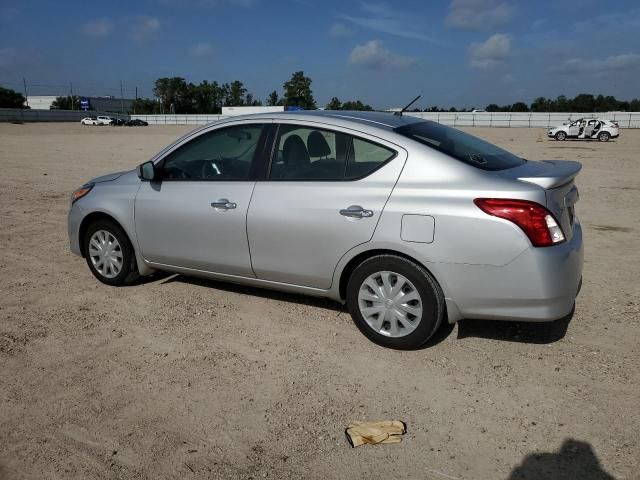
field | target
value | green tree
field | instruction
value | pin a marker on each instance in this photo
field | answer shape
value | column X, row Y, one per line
column 584, row 102
column 252, row 102
column 174, row 94
column 519, row 107
column 297, row 92
column 11, row 99
column 541, row 104
column 272, row 99
column 492, row 107
column 357, row 105
column 334, row 104
column 66, row 103
column 206, row 97
column 236, row 94
column 145, row 106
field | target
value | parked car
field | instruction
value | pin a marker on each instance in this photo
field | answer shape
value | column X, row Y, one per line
column 409, row 222
column 586, row 129
column 89, row 121
column 104, row 120
column 136, row 122
column 118, row 122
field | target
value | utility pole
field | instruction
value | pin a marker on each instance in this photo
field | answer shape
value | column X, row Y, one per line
column 121, row 99
column 24, row 82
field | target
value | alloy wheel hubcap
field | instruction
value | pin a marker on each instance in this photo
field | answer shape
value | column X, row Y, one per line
column 105, row 253
column 390, row 304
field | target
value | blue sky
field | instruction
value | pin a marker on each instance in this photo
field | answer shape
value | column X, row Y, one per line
column 452, row 52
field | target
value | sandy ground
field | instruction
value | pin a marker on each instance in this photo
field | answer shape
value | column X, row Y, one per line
column 184, row 378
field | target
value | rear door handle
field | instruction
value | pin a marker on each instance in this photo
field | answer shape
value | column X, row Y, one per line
column 224, row 204
column 356, row 211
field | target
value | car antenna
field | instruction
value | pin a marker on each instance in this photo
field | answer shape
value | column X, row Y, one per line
column 407, row 106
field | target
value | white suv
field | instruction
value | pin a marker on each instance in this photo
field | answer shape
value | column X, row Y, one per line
column 586, row 129
column 104, row 120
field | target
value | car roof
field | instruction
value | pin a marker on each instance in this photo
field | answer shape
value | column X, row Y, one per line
column 381, row 120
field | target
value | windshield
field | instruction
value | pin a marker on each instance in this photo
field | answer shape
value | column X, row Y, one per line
column 461, row 146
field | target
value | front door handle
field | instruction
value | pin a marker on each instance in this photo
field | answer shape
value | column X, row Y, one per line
column 356, row 211
column 224, row 204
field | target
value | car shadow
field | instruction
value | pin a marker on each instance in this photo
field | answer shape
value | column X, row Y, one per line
column 574, row 460
column 521, row 332
column 441, row 334
column 258, row 292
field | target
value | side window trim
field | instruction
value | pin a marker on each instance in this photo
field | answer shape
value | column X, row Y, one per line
column 348, row 154
column 258, row 155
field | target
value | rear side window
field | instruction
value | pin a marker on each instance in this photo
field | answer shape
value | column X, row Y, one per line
column 461, row 146
column 365, row 157
column 307, row 153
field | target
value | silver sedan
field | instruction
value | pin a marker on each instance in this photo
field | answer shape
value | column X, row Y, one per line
column 408, row 222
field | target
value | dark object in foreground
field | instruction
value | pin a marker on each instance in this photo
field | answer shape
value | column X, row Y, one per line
column 136, row 122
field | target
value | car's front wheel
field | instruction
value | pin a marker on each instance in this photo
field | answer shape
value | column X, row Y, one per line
column 604, row 136
column 561, row 136
column 395, row 302
column 109, row 253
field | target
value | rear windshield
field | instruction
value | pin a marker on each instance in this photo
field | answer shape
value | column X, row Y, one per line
column 460, row 145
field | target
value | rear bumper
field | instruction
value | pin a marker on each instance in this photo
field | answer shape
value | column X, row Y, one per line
column 539, row 285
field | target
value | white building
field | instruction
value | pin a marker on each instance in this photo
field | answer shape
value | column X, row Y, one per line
column 40, row 102
column 229, row 111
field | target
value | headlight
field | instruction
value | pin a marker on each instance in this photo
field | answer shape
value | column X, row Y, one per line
column 81, row 192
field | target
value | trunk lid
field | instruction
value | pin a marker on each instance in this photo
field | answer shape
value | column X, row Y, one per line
column 557, row 178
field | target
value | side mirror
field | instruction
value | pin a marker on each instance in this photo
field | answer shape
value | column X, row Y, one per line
column 147, row 171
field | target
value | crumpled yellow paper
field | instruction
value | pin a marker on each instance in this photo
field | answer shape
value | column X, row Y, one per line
column 387, row 431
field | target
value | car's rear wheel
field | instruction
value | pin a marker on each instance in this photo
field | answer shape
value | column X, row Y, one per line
column 604, row 136
column 109, row 253
column 561, row 136
column 395, row 302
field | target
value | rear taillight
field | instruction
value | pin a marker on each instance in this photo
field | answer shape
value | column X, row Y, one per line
column 536, row 221
column 615, row 124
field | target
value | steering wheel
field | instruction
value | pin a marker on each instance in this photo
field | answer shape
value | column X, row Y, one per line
column 176, row 173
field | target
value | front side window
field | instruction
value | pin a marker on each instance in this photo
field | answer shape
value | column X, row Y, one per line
column 307, row 153
column 461, row 146
column 224, row 154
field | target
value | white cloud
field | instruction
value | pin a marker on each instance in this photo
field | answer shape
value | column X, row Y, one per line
column 388, row 20
column 339, row 30
column 479, row 14
column 144, row 27
column 490, row 52
column 100, row 27
column 624, row 61
column 374, row 54
column 203, row 49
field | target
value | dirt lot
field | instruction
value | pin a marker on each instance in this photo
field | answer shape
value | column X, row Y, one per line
column 183, row 378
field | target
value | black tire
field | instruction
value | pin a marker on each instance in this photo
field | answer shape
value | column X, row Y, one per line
column 604, row 136
column 561, row 136
column 431, row 297
column 129, row 270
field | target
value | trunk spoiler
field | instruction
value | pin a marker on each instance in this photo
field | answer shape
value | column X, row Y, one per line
column 550, row 173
